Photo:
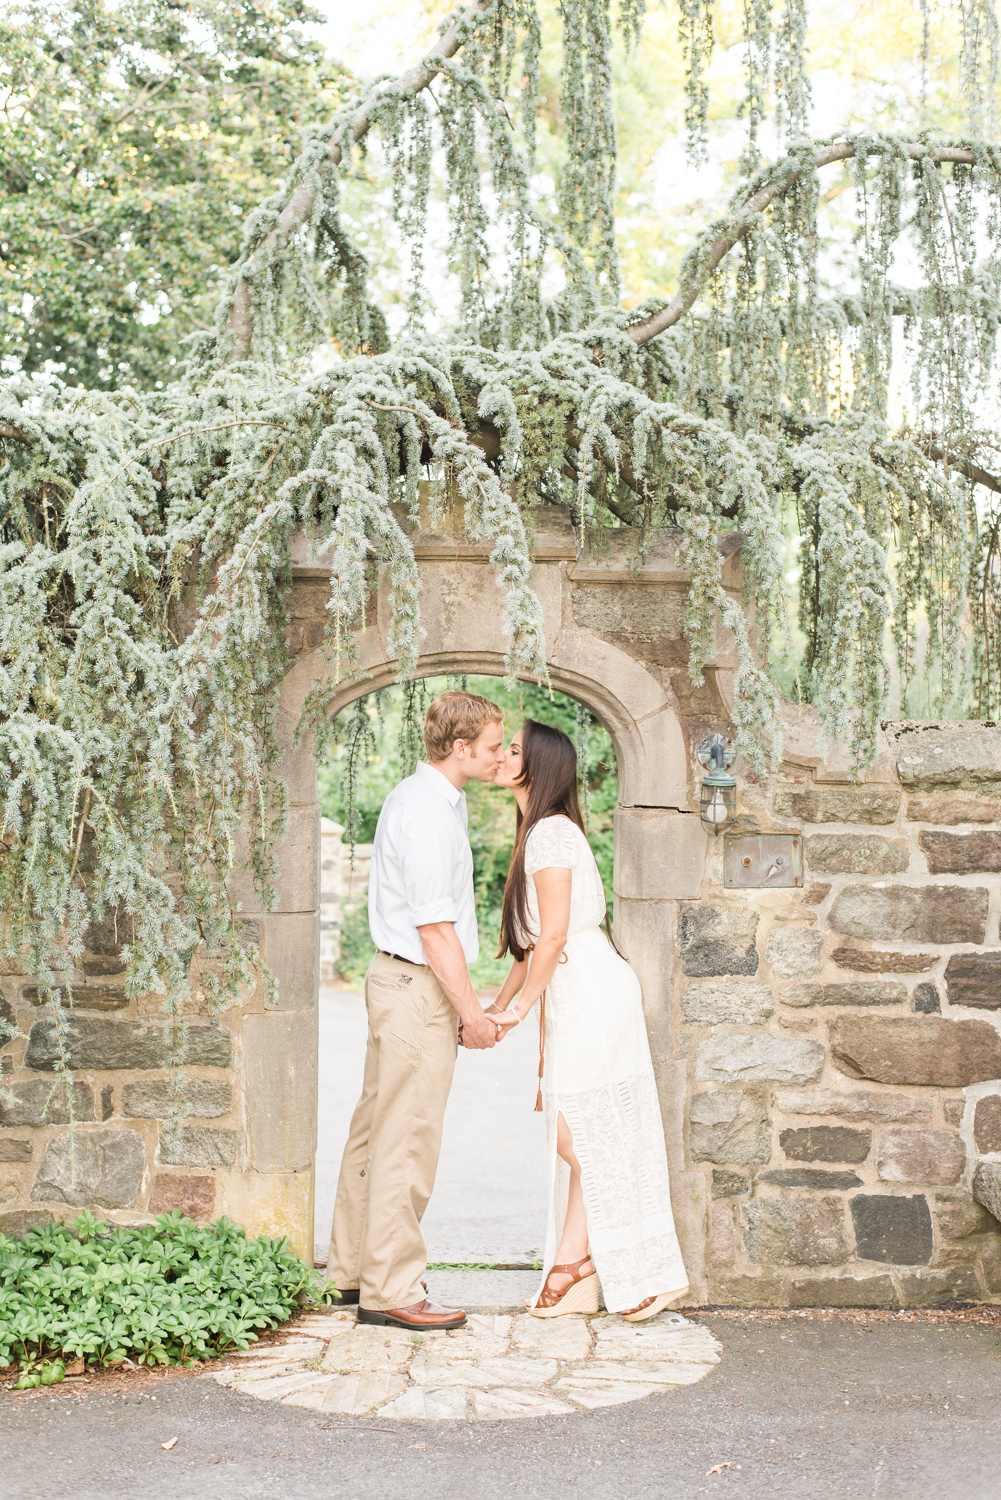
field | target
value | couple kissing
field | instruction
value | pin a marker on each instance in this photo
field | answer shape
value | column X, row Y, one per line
column 609, row 1195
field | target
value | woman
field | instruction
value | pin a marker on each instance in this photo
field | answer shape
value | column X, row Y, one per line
column 610, row 1204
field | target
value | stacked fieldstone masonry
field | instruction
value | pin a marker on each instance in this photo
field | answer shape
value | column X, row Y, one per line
column 843, row 1039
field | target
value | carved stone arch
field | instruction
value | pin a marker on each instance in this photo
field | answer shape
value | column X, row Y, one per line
column 615, row 641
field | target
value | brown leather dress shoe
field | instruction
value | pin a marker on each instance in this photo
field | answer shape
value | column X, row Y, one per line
column 422, row 1315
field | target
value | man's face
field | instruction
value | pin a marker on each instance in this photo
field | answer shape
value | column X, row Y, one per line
column 484, row 755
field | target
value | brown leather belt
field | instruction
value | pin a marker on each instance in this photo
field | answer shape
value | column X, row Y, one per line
column 400, row 959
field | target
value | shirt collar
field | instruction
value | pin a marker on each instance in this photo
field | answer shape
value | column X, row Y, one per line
column 436, row 778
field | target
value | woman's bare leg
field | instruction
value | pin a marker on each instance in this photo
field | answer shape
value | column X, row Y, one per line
column 573, row 1245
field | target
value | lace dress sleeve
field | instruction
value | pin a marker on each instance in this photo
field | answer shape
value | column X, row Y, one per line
column 552, row 844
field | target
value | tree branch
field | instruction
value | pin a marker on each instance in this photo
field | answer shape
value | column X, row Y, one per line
column 240, row 322
column 742, row 222
column 15, row 434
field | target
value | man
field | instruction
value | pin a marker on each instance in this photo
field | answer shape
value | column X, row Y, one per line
column 418, row 992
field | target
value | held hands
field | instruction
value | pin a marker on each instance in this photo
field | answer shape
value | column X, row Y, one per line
column 504, row 1020
column 490, row 1027
column 477, row 1030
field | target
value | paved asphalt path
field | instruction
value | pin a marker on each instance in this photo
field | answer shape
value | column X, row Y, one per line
column 490, row 1196
column 808, row 1408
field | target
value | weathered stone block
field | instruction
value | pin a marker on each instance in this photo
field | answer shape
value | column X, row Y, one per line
column 794, row 952
column 840, row 804
column 194, row 1196
column 106, row 938
column 939, row 1287
column 843, row 1291
column 727, row 1002
column 729, row 1126
column 733, row 1290
column 102, row 967
column 953, row 807
column 8, row 1022
column 271, row 1203
column 953, row 1110
column 758, row 1059
column 811, row 1177
column 107, row 1102
column 729, row 1184
column 150, row 1099
column 722, row 1235
column 795, row 1232
column 961, row 853
column 14, row 1150
column 987, row 1186
column 912, row 913
column 964, row 754
column 816, row 893
column 21, row 1220
column 102, row 1168
column 896, row 1231
column 916, row 1049
column 961, row 1218
column 826, row 1143
column 718, row 940
column 877, row 961
column 974, row 979
column 32, row 1102
column 660, row 854
column 927, row 1001
column 201, row 1147
column 646, row 620
column 921, row 1156
column 291, row 950
column 860, row 992
column 85, row 996
column 856, row 854
column 280, row 1068
column 140, row 1045
column 852, row 1105
column 987, row 1123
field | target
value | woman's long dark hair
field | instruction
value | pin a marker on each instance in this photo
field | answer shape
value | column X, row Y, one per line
column 549, row 771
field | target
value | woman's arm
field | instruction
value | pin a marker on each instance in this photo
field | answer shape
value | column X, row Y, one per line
column 512, row 984
column 552, row 888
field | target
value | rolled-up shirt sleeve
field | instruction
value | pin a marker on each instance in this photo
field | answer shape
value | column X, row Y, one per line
column 428, row 858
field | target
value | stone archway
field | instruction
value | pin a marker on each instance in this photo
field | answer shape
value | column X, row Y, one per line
column 615, row 642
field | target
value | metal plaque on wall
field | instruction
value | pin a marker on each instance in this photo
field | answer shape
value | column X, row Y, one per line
column 762, row 859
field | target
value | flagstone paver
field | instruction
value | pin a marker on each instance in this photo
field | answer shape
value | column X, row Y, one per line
column 496, row 1368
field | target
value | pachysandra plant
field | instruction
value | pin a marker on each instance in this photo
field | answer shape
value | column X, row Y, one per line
column 145, row 554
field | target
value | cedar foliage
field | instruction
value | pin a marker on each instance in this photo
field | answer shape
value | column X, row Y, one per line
column 145, row 549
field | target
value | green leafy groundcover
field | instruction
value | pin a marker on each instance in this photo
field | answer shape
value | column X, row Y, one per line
column 164, row 1293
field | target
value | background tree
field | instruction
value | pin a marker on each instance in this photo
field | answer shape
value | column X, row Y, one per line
column 134, row 140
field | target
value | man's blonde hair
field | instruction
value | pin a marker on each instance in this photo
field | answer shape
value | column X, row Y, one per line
column 457, row 716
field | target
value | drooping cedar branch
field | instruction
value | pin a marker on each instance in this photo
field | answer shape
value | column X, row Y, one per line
column 787, row 175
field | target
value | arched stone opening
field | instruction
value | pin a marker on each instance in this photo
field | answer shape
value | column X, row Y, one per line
column 601, row 651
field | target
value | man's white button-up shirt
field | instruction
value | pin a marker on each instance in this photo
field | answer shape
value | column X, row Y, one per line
column 422, row 867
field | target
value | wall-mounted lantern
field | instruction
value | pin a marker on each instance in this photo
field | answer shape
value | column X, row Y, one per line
column 719, row 789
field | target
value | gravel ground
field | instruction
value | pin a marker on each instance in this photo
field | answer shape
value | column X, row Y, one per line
column 817, row 1406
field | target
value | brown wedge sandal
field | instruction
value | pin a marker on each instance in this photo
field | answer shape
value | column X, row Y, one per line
column 652, row 1306
column 581, row 1296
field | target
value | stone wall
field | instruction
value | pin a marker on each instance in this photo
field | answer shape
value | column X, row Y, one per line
column 112, row 1161
column 841, row 1041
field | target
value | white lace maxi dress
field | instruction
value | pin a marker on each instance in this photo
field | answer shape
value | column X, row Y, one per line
column 599, row 1075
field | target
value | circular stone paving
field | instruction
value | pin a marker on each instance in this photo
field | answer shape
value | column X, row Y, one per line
column 497, row 1366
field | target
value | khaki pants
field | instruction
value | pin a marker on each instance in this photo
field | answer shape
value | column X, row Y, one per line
column 391, row 1157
